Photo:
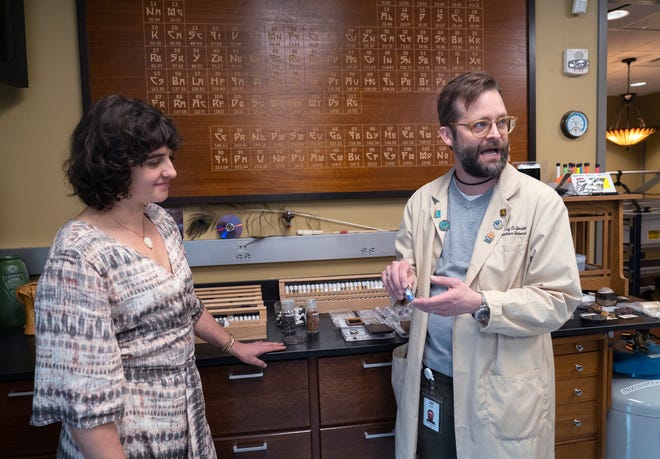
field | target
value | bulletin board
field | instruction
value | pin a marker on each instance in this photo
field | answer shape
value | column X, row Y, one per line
column 295, row 99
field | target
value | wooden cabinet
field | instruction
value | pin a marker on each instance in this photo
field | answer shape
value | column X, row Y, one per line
column 17, row 438
column 334, row 407
column 328, row 407
column 255, row 412
column 581, row 379
column 348, row 408
column 356, row 406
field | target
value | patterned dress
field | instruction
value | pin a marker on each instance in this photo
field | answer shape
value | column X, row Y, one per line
column 115, row 343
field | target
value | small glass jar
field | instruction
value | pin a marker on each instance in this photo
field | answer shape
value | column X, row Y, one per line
column 288, row 318
column 311, row 316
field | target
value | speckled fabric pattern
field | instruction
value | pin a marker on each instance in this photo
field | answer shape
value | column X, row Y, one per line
column 114, row 343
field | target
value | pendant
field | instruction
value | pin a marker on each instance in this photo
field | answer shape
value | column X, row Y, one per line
column 148, row 242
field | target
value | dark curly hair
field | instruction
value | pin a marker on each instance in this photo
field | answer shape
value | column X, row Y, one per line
column 114, row 136
column 465, row 88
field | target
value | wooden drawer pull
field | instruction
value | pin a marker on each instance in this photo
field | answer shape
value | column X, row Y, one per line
column 368, row 436
column 578, row 392
column 577, row 423
column 579, row 367
column 259, row 374
column 249, row 449
column 366, row 365
column 579, row 347
column 28, row 393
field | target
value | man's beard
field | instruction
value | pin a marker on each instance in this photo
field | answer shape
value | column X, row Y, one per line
column 469, row 159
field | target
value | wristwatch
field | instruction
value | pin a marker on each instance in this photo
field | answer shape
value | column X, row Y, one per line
column 482, row 315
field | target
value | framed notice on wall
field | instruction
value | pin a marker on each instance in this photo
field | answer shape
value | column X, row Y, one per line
column 293, row 99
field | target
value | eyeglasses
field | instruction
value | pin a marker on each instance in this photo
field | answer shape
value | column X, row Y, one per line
column 480, row 128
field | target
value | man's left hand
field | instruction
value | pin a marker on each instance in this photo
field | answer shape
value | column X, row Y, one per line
column 458, row 299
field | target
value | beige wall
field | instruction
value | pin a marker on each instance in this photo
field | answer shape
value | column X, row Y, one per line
column 35, row 124
column 557, row 29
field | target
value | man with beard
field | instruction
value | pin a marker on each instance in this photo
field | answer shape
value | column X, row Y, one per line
column 488, row 253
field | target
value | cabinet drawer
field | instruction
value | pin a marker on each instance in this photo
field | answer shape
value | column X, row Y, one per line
column 576, row 390
column 577, row 420
column 275, row 446
column 577, row 365
column 374, row 440
column 580, row 450
column 247, row 399
column 354, row 389
column 576, row 345
column 17, row 437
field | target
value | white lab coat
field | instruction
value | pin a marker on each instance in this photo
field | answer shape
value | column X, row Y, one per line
column 504, row 393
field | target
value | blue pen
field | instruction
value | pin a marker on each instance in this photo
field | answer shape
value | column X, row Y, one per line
column 409, row 295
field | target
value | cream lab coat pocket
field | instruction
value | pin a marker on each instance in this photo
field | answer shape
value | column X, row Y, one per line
column 399, row 364
column 516, row 405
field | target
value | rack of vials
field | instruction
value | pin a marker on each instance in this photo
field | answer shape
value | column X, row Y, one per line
column 356, row 292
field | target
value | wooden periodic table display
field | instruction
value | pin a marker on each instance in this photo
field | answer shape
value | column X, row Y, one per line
column 291, row 99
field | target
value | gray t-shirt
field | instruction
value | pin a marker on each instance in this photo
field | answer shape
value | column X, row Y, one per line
column 464, row 214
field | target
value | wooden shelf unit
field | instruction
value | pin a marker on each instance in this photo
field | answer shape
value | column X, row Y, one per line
column 597, row 229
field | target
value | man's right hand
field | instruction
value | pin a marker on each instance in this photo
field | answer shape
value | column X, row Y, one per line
column 398, row 276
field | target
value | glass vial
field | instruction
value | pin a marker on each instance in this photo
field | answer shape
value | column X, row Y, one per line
column 288, row 318
column 311, row 316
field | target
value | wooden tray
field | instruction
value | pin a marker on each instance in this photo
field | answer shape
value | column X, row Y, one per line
column 356, row 292
column 242, row 307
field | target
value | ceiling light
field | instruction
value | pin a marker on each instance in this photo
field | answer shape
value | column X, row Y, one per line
column 617, row 14
column 627, row 136
column 638, row 84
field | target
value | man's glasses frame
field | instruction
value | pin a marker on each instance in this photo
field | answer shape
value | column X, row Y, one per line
column 481, row 127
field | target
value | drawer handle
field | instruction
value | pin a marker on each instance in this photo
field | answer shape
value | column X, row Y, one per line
column 27, row 393
column 368, row 436
column 577, row 423
column 259, row 374
column 366, row 365
column 579, row 347
column 249, row 449
column 578, row 392
column 579, row 367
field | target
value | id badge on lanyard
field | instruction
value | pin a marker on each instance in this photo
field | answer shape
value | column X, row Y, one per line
column 432, row 407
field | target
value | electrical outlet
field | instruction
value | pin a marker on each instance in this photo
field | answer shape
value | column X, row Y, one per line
column 242, row 253
column 366, row 251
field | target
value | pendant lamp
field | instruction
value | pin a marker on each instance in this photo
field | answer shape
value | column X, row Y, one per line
column 628, row 135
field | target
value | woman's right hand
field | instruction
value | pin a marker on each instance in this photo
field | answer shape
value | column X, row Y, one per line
column 249, row 352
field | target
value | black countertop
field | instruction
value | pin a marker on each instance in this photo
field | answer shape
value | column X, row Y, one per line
column 327, row 342
column 18, row 355
column 578, row 326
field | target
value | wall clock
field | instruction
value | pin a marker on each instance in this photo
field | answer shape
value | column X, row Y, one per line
column 574, row 124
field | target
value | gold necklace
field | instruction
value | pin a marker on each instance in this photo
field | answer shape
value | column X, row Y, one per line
column 146, row 239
